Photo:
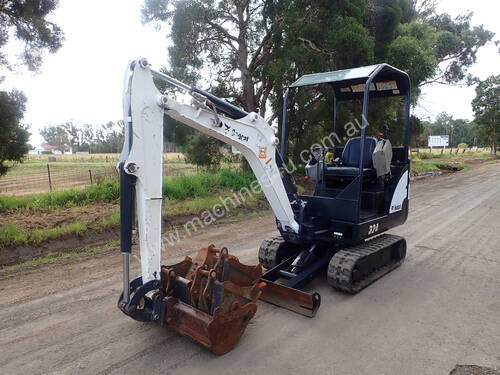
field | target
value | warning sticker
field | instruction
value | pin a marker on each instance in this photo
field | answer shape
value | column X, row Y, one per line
column 263, row 152
column 387, row 85
column 361, row 87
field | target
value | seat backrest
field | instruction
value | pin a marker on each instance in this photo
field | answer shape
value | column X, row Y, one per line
column 352, row 152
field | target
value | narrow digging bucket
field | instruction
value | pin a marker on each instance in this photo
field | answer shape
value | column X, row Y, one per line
column 210, row 299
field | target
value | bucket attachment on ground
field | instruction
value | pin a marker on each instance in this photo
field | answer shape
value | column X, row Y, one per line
column 296, row 300
column 209, row 299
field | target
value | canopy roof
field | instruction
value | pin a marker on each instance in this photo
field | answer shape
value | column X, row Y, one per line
column 350, row 83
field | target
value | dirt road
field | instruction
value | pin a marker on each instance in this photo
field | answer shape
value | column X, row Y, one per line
column 441, row 308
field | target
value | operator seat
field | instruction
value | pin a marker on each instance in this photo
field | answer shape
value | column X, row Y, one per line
column 349, row 167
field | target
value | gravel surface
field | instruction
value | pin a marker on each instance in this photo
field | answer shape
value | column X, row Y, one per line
column 439, row 309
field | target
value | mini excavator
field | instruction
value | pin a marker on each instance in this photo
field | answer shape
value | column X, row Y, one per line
column 360, row 193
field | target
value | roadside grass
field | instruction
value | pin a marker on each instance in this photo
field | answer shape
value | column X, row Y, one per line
column 12, row 235
column 427, row 162
column 184, row 195
column 198, row 205
column 106, row 191
column 420, row 166
column 453, row 155
column 203, row 184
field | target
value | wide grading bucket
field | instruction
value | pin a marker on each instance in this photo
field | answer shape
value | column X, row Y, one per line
column 211, row 298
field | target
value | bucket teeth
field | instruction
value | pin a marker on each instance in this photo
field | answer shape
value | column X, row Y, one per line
column 211, row 298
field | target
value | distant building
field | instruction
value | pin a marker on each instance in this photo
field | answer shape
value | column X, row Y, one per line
column 46, row 148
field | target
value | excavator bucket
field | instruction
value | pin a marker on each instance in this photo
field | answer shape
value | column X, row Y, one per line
column 210, row 299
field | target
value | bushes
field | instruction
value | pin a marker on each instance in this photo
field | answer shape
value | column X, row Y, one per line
column 205, row 184
column 204, row 151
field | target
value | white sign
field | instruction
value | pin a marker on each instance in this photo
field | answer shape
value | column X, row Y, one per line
column 439, row 140
column 361, row 87
column 387, row 85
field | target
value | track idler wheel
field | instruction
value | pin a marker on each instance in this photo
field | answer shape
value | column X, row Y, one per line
column 274, row 250
column 211, row 299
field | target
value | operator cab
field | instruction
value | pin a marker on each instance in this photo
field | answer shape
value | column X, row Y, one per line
column 361, row 187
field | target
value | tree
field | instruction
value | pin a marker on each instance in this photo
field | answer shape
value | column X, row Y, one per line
column 104, row 138
column 231, row 40
column 26, row 20
column 486, row 107
column 56, row 136
column 204, row 151
column 251, row 50
column 459, row 130
column 13, row 137
column 456, row 47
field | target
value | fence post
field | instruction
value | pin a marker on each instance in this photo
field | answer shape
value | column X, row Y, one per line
column 50, row 180
column 90, row 174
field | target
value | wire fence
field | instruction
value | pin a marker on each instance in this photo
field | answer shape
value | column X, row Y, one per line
column 39, row 175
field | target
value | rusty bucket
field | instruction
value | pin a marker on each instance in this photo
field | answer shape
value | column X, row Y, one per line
column 210, row 299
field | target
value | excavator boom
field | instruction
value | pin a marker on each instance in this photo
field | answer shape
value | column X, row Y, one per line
column 209, row 299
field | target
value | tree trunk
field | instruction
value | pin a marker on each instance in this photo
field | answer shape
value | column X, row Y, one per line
column 247, row 84
column 494, row 149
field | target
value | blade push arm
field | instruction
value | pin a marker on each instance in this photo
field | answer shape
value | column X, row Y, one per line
column 142, row 156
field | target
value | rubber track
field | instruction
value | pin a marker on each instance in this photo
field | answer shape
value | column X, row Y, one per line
column 268, row 251
column 343, row 262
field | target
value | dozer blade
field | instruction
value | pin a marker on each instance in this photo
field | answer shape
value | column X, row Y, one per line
column 292, row 299
column 211, row 298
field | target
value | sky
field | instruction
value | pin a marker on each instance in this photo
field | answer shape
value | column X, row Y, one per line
column 456, row 100
column 83, row 81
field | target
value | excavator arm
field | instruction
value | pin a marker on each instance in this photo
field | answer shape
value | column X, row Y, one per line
column 211, row 298
column 142, row 155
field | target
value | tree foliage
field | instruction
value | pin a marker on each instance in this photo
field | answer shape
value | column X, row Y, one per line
column 13, row 137
column 204, row 151
column 251, row 50
column 56, row 136
column 104, row 138
column 230, row 40
column 27, row 21
column 457, row 43
column 486, row 107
